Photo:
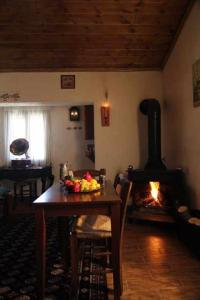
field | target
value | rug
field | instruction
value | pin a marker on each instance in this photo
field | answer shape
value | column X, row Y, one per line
column 18, row 265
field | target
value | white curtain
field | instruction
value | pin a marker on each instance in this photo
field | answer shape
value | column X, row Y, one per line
column 32, row 124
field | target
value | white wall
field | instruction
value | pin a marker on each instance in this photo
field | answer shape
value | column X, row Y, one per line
column 183, row 120
column 117, row 145
column 68, row 140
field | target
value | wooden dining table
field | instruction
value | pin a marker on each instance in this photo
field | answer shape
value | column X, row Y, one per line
column 57, row 202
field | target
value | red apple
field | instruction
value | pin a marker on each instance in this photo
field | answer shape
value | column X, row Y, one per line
column 68, row 182
column 69, row 185
column 87, row 176
column 77, row 187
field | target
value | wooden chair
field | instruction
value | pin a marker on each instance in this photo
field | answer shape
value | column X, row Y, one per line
column 65, row 223
column 49, row 181
column 5, row 201
column 96, row 227
column 25, row 190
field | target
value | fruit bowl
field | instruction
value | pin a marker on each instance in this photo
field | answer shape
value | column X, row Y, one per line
column 87, row 184
column 85, row 192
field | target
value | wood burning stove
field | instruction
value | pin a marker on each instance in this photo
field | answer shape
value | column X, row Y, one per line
column 156, row 189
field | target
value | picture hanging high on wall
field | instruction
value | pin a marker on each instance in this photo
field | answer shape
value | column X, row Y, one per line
column 196, row 82
column 67, row 81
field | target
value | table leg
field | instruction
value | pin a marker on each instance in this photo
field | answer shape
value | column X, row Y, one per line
column 40, row 251
column 63, row 239
column 116, row 256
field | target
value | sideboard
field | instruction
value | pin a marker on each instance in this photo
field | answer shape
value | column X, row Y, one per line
column 16, row 174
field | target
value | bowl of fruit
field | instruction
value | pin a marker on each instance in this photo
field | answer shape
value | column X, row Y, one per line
column 82, row 185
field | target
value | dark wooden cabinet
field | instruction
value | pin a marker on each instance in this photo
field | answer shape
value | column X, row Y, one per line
column 89, row 122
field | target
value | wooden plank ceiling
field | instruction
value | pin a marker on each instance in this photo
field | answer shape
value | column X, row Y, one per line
column 88, row 35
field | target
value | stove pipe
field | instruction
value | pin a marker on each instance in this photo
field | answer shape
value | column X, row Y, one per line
column 151, row 108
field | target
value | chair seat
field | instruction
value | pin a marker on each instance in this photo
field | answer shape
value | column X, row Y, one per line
column 93, row 226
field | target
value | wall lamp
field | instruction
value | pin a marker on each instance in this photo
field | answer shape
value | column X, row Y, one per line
column 105, row 111
column 74, row 113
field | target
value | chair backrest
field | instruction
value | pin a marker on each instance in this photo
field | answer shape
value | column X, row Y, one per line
column 123, row 188
column 116, row 180
column 49, row 182
column 93, row 173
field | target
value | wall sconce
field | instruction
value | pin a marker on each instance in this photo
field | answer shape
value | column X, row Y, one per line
column 105, row 112
column 74, row 113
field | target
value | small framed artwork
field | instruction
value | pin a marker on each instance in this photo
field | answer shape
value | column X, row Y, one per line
column 196, row 82
column 67, row 81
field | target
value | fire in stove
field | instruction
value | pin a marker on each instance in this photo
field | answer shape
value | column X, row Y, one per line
column 155, row 193
column 152, row 194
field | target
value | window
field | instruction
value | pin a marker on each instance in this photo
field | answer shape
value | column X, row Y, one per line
column 32, row 125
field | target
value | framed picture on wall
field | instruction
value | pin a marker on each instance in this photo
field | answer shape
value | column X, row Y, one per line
column 196, row 82
column 67, row 81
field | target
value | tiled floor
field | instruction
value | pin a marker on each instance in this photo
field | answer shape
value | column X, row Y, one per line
column 157, row 265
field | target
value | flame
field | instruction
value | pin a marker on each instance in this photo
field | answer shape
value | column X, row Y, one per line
column 155, row 186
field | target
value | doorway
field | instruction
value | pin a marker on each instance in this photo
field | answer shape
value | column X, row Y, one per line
column 72, row 141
